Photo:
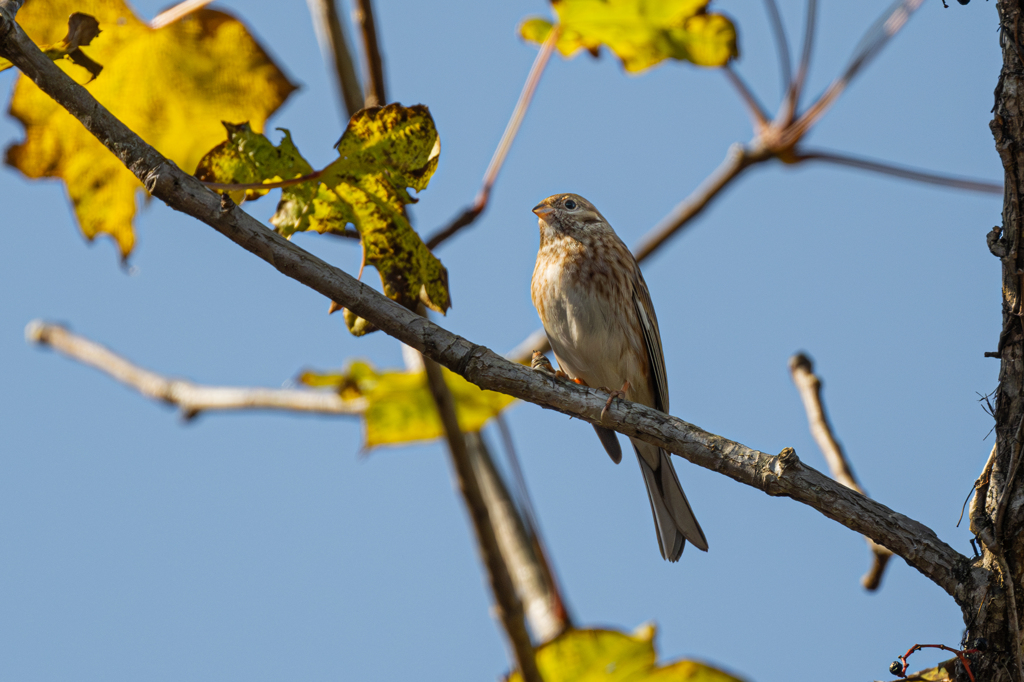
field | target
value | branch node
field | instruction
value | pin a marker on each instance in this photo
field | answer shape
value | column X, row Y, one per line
column 159, row 183
column 995, row 244
column 227, row 203
column 7, row 17
column 463, row 365
column 37, row 331
column 787, row 459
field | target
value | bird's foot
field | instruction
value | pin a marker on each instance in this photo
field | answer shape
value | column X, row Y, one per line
column 540, row 363
column 620, row 393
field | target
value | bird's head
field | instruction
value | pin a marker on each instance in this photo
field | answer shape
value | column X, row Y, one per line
column 569, row 214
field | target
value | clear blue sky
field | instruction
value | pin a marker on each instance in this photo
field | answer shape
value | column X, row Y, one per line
column 267, row 547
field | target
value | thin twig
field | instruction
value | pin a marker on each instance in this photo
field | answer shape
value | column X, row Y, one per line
column 899, row 171
column 330, row 33
column 737, row 160
column 171, row 15
column 190, row 398
column 508, row 606
column 876, row 38
column 785, row 476
column 754, row 108
column 791, row 102
column 781, row 44
column 473, row 212
column 376, row 94
column 809, row 385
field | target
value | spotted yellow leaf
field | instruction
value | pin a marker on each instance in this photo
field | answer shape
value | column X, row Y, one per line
column 383, row 153
column 173, row 86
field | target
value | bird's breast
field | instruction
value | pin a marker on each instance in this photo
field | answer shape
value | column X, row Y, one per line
column 591, row 325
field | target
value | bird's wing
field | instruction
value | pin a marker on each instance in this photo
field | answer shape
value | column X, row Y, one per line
column 652, row 341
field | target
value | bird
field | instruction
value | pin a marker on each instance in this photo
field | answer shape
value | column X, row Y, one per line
column 598, row 316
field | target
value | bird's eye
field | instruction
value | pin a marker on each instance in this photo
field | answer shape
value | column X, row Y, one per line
column 570, row 204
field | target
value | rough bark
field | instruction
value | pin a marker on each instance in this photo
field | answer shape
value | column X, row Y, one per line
column 997, row 513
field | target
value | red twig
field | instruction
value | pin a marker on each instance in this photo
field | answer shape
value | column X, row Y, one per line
column 960, row 654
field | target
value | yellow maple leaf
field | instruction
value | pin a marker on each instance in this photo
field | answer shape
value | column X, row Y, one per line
column 642, row 33
column 612, row 656
column 399, row 407
column 172, row 86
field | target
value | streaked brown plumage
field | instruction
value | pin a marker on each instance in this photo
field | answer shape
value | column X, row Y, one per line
column 598, row 316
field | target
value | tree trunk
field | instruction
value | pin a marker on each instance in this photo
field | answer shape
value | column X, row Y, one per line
column 992, row 599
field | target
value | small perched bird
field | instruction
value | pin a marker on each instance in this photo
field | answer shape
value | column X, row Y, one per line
column 598, row 316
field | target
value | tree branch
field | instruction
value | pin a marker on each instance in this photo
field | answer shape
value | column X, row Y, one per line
column 509, row 608
column 784, row 476
column 330, row 33
column 536, row 586
column 737, row 159
column 899, row 171
column 191, row 398
column 471, row 213
column 376, row 95
column 809, row 386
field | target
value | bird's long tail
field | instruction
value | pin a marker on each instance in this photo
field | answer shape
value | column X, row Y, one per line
column 673, row 517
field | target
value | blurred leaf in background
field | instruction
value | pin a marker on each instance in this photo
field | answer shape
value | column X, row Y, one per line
column 400, row 408
column 172, row 86
column 642, row 33
column 612, row 656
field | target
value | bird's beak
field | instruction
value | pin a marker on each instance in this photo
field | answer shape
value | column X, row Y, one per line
column 542, row 210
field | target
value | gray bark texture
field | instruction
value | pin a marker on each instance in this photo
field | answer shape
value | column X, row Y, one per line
column 992, row 607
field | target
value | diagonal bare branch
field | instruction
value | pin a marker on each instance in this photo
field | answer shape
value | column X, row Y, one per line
column 809, row 385
column 737, row 159
column 473, row 212
column 898, row 171
column 191, row 398
column 376, row 94
column 509, row 607
column 330, row 33
column 528, row 567
column 782, row 475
